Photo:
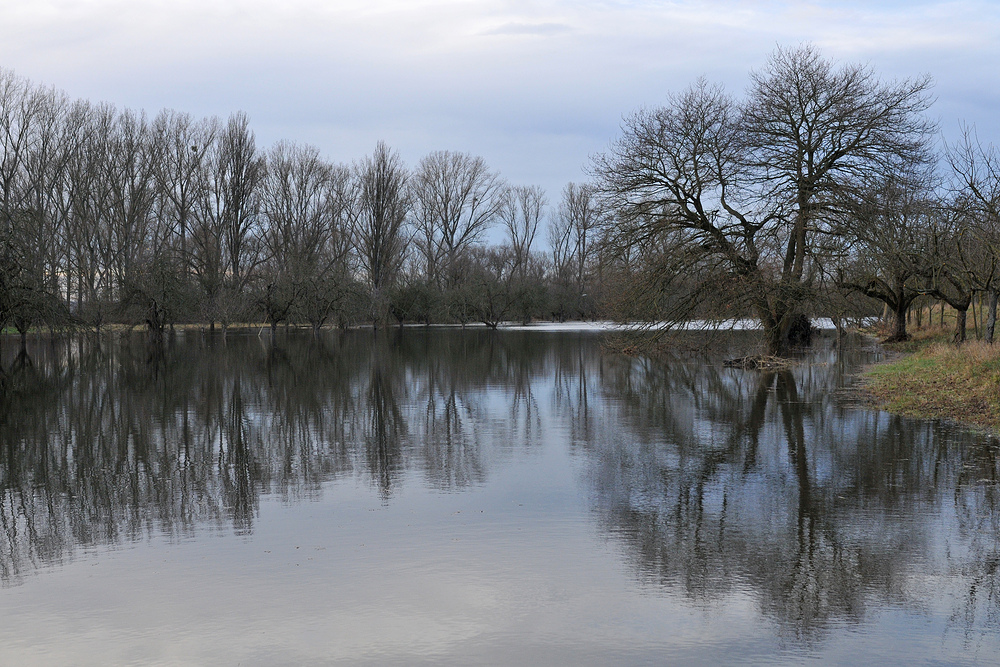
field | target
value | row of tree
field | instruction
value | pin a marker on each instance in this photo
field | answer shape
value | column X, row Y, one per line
column 110, row 216
column 822, row 185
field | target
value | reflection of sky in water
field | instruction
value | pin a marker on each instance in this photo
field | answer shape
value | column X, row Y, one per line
column 470, row 497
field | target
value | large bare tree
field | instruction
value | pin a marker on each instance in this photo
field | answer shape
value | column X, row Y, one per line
column 227, row 237
column 893, row 228
column 746, row 194
column 180, row 172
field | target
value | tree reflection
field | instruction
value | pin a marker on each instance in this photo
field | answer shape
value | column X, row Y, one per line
column 384, row 426
column 105, row 441
column 723, row 481
column 715, row 482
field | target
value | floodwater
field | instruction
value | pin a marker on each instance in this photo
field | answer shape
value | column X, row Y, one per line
column 474, row 497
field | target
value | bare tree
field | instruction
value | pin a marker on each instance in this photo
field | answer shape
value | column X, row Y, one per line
column 752, row 189
column 893, row 227
column 456, row 198
column 20, row 104
column 180, row 172
column 88, row 194
column 380, row 223
column 582, row 215
column 228, row 234
column 521, row 212
column 240, row 170
column 306, row 205
column 975, row 172
column 38, row 227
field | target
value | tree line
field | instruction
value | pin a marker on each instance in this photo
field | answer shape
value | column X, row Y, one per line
column 824, row 190
column 109, row 216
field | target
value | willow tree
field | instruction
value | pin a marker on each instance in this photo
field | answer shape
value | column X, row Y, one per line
column 732, row 204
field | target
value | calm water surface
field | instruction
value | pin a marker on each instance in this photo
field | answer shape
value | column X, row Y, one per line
column 471, row 497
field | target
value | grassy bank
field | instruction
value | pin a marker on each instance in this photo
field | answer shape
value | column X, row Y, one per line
column 935, row 379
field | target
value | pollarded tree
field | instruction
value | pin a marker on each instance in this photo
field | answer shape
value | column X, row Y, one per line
column 752, row 189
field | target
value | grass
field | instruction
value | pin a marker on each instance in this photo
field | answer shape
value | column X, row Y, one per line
column 936, row 379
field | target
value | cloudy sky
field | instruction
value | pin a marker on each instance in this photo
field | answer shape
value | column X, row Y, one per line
column 533, row 87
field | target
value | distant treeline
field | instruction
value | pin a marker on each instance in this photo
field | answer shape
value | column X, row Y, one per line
column 821, row 192
column 109, row 216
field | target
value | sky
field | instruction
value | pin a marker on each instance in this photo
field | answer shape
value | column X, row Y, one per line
column 535, row 88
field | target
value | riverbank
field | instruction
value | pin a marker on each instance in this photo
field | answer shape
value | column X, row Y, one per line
column 930, row 378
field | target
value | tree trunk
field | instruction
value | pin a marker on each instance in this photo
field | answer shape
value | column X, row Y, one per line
column 991, row 319
column 899, row 322
column 960, row 317
column 776, row 343
column 975, row 319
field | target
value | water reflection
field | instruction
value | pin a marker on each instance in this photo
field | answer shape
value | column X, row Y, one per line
column 729, row 481
column 104, row 442
column 712, row 482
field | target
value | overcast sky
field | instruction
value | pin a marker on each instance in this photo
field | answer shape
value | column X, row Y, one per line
column 533, row 87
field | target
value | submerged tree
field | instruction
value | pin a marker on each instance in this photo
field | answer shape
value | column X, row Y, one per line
column 380, row 223
column 227, row 237
column 456, row 198
column 521, row 213
column 747, row 194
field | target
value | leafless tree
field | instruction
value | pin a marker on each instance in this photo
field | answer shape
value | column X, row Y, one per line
column 380, row 233
column 228, row 234
column 975, row 172
column 456, row 198
column 88, row 197
column 20, row 104
column 894, row 227
column 180, row 172
column 751, row 189
column 307, row 205
column 582, row 215
column 521, row 212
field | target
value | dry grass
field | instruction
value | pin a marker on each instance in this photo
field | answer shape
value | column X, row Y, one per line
column 940, row 380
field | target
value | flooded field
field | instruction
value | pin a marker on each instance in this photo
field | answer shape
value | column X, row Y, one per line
column 470, row 497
